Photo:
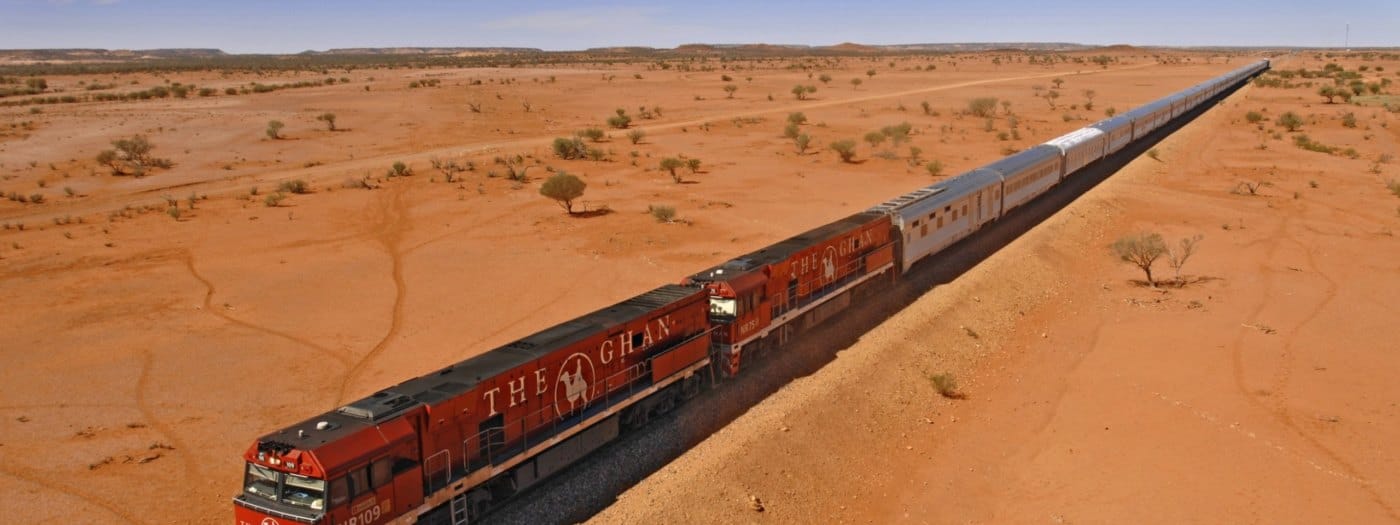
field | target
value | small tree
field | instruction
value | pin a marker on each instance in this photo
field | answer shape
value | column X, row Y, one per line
column 845, row 148
column 870, row 72
column 825, row 78
column 1089, row 95
column 801, row 91
column 1290, row 120
column 729, row 90
column 1141, row 250
column 564, row 189
column 855, row 83
column 1177, row 256
column 274, row 129
column 982, row 107
column 569, row 148
column 329, row 119
column 797, row 118
column 1057, row 81
column 1329, row 92
column 898, row 133
column 693, row 165
column 620, row 120
column 928, row 109
column 802, row 142
column 593, row 134
column 671, row 164
column 636, row 136
column 874, row 138
column 1050, row 97
column 935, row 168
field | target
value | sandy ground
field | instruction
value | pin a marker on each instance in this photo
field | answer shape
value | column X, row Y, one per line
column 144, row 354
column 1261, row 392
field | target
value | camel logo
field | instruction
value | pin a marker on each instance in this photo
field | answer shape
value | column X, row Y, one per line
column 269, row 521
column 575, row 375
column 829, row 264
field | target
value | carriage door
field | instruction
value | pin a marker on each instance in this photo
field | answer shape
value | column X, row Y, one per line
column 979, row 209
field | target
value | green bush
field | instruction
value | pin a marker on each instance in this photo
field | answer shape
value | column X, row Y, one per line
column 846, row 149
column 564, row 189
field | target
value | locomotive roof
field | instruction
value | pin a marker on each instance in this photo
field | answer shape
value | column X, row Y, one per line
column 786, row 248
column 460, row 377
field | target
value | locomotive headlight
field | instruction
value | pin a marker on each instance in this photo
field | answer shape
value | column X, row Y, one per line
column 274, row 461
column 262, row 456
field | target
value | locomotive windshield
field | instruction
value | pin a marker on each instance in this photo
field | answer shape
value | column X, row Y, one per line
column 290, row 489
column 723, row 310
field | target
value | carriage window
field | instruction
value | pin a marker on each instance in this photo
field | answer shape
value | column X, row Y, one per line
column 381, row 472
column 340, row 492
column 940, row 222
column 964, row 209
column 359, row 481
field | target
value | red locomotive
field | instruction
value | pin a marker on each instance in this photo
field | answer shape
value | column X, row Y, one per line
column 443, row 447
column 761, row 299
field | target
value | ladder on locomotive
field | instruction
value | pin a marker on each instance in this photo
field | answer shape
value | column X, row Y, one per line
column 458, row 509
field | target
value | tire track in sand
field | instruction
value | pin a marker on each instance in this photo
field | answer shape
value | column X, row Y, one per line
column 143, row 382
column 29, row 477
column 393, row 221
column 1279, row 412
column 341, row 357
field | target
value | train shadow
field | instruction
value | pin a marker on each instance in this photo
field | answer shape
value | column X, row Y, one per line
column 592, row 485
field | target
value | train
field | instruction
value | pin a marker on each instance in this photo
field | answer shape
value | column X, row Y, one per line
column 448, row 447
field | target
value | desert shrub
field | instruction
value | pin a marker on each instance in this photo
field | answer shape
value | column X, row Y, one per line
column 797, row 118
column 636, row 136
column 1154, row 154
column 729, row 90
column 693, row 165
column 131, row 156
column 897, row 133
column 662, row 213
column 329, row 119
column 801, row 91
column 791, row 131
column 1290, row 121
column 928, row 109
column 855, row 83
column 230, row 91
column 297, row 186
column 1184, row 249
column 593, row 134
column 569, row 148
column 620, row 120
column 1394, row 187
column 399, row 169
column 37, row 198
column 946, row 384
column 564, row 189
column 1349, row 120
column 671, row 164
column 1302, row 140
column 874, row 138
column 846, row 149
column 1253, row 117
column 1141, row 250
column 1110, row 112
column 274, row 200
column 934, row 167
column 274, row 129
column 802, row 141
column 982, row 106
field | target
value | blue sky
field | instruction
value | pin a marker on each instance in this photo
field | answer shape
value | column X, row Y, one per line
column 261, row 26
